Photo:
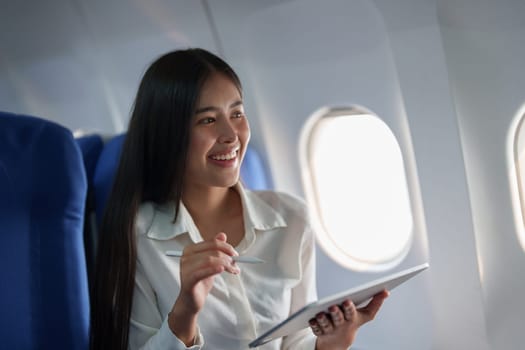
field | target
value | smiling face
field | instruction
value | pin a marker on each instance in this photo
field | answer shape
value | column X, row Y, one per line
column 219, row 135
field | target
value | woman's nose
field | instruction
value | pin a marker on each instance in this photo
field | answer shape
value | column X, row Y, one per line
column 228, row 134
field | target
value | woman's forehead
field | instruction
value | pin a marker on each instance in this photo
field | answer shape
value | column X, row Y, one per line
column 218, row 89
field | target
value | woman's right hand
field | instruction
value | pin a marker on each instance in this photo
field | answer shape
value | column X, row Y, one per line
column 199, row 264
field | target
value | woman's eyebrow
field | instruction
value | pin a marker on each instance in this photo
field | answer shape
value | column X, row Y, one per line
column 205, row 109
column 235, row 104
column 212, row 108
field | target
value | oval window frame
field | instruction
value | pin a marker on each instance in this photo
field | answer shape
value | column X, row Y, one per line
column 325, row 239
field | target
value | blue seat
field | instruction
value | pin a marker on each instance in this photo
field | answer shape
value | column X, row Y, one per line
column 44, row 295
column 253, row 172
column 105, row 171
column 90, row 146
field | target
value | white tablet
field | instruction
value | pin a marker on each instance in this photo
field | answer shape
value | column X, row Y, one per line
column 358, row 295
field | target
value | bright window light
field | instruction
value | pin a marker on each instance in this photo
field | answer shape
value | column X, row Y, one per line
column 356, row 187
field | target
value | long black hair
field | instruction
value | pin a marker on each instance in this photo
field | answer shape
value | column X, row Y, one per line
column 151, row 168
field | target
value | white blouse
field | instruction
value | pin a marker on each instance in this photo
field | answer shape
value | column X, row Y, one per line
column 239, row 307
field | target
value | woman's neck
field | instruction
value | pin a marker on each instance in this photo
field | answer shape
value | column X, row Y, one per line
column 205, row 200
column 212, row 208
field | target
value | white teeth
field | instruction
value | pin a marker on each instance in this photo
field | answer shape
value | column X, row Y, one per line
column 228, row 156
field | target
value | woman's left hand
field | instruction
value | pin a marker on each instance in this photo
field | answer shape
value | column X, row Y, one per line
column 337, row 328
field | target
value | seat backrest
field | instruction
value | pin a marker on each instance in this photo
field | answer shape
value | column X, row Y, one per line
column 90, row 146
column 105, row 171
column 44, row 296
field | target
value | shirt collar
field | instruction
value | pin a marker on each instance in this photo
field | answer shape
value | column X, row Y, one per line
column 258, row 216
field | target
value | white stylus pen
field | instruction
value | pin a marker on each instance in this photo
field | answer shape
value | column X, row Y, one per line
column 239, row 259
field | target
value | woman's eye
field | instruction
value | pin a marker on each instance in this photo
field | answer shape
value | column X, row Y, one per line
column 207, row 120
column 238, row 115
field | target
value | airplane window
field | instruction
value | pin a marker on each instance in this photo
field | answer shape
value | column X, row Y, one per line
column 518, row 147
column 356, row 189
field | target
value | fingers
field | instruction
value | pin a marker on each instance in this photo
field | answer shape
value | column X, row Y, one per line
column 316, row 329
column 349, row 310
column 208, row 258
column 208, row 262
column 321, row 324
column 199, row 264
column 369, row 312
column 202, row 273
column 336, row 315
column 325, row 323
column 343, row 321
column 221, row 236
column 218, row 243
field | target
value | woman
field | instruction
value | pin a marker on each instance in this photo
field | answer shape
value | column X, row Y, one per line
column 177, row 188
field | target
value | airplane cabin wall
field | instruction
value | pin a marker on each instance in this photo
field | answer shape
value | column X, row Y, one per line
column 485, row 53
column 459, row 321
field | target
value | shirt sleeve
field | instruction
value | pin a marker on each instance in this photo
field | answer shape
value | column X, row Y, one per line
column 302, row 294
column 148, row 329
